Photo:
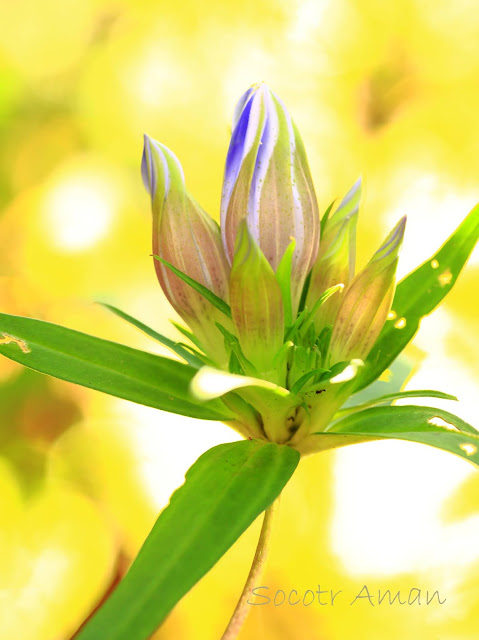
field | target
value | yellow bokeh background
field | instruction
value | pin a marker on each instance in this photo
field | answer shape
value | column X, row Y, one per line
column 384, row 90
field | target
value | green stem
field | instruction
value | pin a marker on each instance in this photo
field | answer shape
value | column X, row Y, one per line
column 242, row 608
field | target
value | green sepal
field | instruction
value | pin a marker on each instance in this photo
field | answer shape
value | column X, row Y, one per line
column 176, row 347
column 256, row 304
column 283, row 275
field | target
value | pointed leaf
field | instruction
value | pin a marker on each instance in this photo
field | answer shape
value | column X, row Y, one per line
column 106, row 366
column 187, row 333
column 171, row 344
column 424, row 425
column 309, row 319
column 325, row 216
column 233, row 344
column 400, row 395
column 224, row 492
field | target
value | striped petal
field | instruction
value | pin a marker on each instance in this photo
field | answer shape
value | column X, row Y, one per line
column 267, row 182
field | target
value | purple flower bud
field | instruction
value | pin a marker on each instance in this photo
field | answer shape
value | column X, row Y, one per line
column 268, row 182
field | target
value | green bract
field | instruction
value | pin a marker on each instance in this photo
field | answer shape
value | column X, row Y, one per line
column 286, row 343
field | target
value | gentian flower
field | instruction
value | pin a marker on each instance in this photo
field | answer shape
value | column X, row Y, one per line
column 239, row 290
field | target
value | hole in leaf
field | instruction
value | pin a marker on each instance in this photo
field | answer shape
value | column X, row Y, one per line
column 21, row 344
column 445, row 278
column 401, row 323
column 434, row 264
column 469, row 449
column 392, row 315
column 439, row 422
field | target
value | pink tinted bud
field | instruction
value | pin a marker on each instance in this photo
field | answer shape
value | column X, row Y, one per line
column 367, row 302
column 185, row 236
column 335, row 262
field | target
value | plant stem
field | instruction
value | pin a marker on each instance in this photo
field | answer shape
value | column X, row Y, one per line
column 242, row 608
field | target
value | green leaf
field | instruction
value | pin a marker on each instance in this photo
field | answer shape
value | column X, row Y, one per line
column 226, row 489
column 425, row 425
column 283, row 276
column 290, row 332
column 197, row 349
column 418, row 295
column 190, row 336
column 306, row 317
column 215, row 300
column 113, row 368
column 399, row 395
column 234, row 346
column 176, row 347
column 304, row 292
column 198, row 354
column 326, row 215
column 308, row 320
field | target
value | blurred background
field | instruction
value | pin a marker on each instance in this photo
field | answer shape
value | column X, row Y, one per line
column 389, row 91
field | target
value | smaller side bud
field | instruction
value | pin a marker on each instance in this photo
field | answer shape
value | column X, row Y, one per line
column 185, row 236
column 367, row 302
column 336, row 258
column 256, row 305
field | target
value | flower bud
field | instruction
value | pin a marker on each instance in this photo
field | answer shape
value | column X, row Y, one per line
column 336, row 257
column 256, row 305
column 185, row 236
column 268, row 182
column 367, row 302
